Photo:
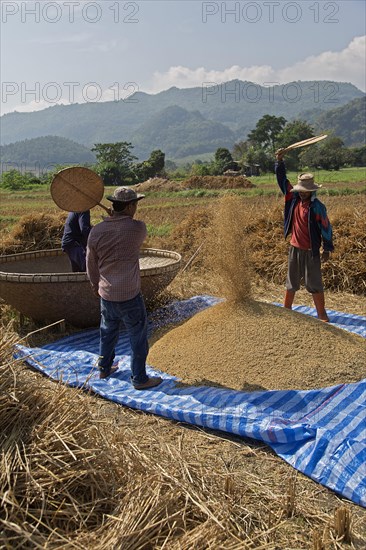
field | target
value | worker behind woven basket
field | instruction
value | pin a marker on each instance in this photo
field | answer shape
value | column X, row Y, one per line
column 307, row 223
column 74, row 239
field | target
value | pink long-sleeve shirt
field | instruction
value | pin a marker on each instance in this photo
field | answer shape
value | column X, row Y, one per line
column 112, row 260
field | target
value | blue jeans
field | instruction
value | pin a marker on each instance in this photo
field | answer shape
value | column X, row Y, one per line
column 133, row 314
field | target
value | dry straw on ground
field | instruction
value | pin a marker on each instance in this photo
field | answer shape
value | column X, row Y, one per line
column 34, row 232
column 80, row 473
column 262, row 232
column 263, row 237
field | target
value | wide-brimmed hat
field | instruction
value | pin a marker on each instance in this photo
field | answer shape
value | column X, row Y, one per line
column 125, row 194
column 305, row 182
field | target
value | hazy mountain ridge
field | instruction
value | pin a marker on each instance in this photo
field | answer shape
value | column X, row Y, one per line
column 192, row 120
column 348, row 122
column 44, row 150
column 180, row 132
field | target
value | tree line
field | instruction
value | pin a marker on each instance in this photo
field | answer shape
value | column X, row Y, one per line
column 116, row 163
column 272, row 133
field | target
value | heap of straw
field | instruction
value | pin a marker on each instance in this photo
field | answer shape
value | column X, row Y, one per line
column 34, row 232
column 261, row 224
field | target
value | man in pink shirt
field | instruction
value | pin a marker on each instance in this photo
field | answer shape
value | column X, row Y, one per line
column 113, row 269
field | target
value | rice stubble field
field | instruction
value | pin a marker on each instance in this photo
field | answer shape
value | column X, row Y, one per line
column 81, row 472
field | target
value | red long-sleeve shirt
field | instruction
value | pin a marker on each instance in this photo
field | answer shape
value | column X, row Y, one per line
column 300, row 236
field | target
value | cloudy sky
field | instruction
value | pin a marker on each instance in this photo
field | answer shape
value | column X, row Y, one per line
column 68, row 51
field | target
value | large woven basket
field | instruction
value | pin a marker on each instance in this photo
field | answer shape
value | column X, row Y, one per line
column 40, row 285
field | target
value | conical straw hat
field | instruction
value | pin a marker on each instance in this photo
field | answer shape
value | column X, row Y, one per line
column 77, row 189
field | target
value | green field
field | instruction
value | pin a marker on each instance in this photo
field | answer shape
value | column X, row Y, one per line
column 15, row 204
column 342, row 176
column 163, row 211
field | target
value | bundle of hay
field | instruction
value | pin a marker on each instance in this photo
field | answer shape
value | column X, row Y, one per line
column 191, row 232
column 218, row 182
column 34, row 232
column 261, row 221
column 157, row 184
column 347, row 268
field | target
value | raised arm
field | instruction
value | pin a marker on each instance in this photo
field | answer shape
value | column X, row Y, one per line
column 280, row 170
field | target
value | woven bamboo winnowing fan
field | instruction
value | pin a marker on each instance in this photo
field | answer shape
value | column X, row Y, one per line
column 77, row 189
column 303, row 143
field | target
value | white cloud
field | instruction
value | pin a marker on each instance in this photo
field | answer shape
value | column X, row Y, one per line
column 347, row 65
column 183, row 77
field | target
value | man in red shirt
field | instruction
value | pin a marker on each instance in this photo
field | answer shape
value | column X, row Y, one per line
column 307, row 222
column 114, row 272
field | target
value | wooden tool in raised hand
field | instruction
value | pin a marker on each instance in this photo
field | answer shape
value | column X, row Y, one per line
column 302, row 143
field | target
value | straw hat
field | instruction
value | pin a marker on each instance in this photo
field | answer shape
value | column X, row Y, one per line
column 305, row 182
column 125, row 194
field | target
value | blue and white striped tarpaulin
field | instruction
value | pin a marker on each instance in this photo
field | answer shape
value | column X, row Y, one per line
column 321, row 432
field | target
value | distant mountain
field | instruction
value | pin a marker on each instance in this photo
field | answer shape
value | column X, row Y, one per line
column 215, row 115
column 179, row 133
column 347, row 122
column 45, row 151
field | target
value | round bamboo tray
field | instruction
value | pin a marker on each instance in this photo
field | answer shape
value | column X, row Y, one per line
column 77, row 189
column 40, row 285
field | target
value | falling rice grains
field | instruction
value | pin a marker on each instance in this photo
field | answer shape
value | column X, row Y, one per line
column 226, row 250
